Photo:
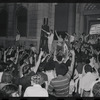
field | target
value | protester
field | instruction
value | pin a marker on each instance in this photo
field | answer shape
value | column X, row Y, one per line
column 35, row 90
column 47, row 72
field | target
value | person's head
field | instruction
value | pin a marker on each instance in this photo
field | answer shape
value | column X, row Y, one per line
column 61, row 70
column 66, row 37
column 88, row 68
column 51, row 31
column 74, row 34
column 26, row 69
column 83, row 34
column 7, row 77
column 90, row 37
column 10, row 91
column 37, row 79
column 87, row 61
column 50, row 65
column 31, row 45
column 9, row 62
column 96, row 90
column 59, row 57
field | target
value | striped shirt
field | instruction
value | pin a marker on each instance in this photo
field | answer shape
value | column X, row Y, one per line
column 59, row 86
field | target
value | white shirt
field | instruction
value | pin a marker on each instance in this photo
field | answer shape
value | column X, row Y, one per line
column 72, row 38
column 87, row 80
column 65, row 48
column 35, row 91
column 51, row 74
column 50, row 38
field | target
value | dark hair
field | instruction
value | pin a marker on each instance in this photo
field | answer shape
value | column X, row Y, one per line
column 7, row 90
column 83, row 33
column 59, row 57
column 51, row 30
column 87, row 61
column 31, row 45
column 7, row 77
column 26, row 69
column 1, row 68
column 61, row 69
column 50, row 65
column 80, row 38
column 96, row 90
column 88, row 68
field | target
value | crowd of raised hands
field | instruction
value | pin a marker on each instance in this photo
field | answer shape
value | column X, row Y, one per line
column 63, row 72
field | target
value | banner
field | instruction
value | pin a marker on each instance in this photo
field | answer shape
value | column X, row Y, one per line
column 95, row 29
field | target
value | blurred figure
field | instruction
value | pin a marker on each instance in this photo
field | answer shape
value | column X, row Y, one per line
column 10, row 91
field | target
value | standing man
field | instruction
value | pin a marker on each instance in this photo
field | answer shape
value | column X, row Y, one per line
column 59, row 86
column 43, row 38
column 50, row 39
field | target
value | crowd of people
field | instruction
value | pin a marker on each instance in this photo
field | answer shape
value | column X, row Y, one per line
column 71, row 69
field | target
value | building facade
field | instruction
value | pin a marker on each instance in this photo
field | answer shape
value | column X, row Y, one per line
column 27, row 19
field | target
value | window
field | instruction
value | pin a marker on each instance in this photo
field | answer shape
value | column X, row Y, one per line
column 22, row 21
column 3, row 22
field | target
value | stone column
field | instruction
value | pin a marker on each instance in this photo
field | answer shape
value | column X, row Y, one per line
column 81, row 24
column 51, row 14
column 71, row 18
column 77, row 25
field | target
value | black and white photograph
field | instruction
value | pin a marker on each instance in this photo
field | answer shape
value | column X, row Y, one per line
column 49, row 49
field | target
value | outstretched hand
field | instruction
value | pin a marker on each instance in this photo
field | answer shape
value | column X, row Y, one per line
column 72, row 52
column 41, row 52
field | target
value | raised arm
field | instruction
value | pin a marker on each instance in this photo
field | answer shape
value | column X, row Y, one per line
column 5, row 56
column 38, row 62
column 46, row 31
column 67, row 34
column 73, row 60
column 17, row 55
column 56, row 34
column 86, row 37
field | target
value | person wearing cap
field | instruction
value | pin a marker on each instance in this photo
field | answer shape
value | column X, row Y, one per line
column 35, row 90
column 59, row 86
